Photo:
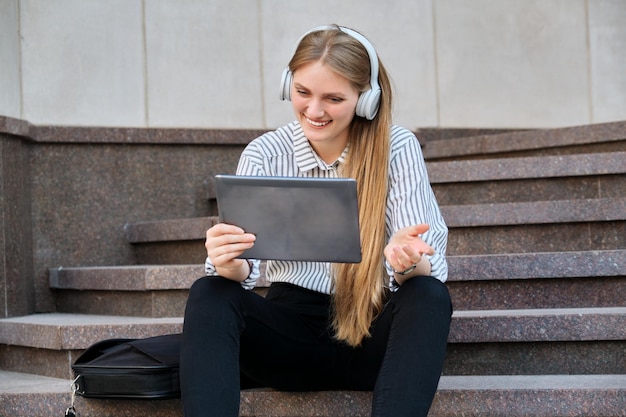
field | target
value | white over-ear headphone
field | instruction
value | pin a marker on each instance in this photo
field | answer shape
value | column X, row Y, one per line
column 369, row 101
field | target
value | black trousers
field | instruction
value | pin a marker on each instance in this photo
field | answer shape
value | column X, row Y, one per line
column 234, row 338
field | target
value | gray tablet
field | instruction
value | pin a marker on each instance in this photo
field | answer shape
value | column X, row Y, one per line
column 293, row 218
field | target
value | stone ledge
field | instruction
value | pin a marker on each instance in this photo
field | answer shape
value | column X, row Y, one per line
column 15, row 127
column 131, row 278
column 457, row 396
column 130, row 135
column 106, row 134
column 538, row 325
column 61, row 331
column 439, row 135
column 466, row 215
column 64, row 331
column 126, row 278
column 437, row 142
column 536, row 212
column 526, row 167
column 609, row 263
column 169, row 230
column 525, row 140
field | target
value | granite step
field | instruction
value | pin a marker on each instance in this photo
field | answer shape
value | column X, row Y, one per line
column 48, row 344
column 601, row 137
column 536, row 212
column 476, row 282
column 25, row 395
column 538, row 280
column 532, row 178
column 531, row 227
column 535, row 178
column 495, row 228
column 564, row 177
column 141, row 290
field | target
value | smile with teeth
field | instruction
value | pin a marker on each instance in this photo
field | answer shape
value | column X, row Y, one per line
column 317, row 124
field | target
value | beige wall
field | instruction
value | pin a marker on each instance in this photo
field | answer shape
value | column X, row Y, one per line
column 217, row 64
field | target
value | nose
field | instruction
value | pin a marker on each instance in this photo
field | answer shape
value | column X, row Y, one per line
column 316, row 108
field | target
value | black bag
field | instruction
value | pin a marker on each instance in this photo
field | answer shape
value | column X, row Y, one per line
column 130, row 368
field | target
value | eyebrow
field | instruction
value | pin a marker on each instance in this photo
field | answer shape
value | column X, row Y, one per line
column 302, row 87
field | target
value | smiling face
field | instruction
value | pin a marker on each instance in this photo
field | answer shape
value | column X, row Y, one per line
column 324, row 103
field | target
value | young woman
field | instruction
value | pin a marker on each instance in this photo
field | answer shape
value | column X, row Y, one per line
column 379, row 325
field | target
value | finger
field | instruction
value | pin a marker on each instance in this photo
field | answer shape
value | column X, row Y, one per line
column 230, row 243
column 222, row 255
column 418, row 229
column 224, row 228
column 225, row 243
column 417, row 251
column 393, row 262
column 234, row 247
column 403, row 256
column 233, row 233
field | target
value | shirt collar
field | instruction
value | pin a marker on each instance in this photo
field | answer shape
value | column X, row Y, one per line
column 306, row 157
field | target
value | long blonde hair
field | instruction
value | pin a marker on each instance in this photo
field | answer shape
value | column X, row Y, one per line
column 359, row 289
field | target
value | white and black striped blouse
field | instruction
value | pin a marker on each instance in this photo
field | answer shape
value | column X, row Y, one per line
column 286, row 152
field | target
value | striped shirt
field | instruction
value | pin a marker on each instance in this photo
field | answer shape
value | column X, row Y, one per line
column 410, row 199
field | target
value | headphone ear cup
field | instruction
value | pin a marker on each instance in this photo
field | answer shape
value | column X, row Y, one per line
column 368, row 103
column 285, row 84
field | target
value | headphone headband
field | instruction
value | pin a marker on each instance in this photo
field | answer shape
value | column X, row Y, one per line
column 368, row 103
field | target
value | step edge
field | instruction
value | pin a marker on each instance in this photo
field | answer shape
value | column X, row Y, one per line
column 10, row 381
column 526, row 168
column 536, row 212
column 456, row 216
column 462, row 268
column 166, row 230
column 537, row 265
column 68, row 331
column 65, row 331
column 463, row 215
column 525, row 140
column 125, row 278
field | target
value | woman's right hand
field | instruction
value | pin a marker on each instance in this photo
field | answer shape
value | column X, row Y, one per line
column 224, row 242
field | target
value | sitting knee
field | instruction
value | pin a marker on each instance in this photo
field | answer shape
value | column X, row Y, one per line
column 425, row 291
column 212, row 297
column 213, row 287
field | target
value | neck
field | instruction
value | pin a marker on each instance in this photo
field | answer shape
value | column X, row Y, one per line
column 329, row 153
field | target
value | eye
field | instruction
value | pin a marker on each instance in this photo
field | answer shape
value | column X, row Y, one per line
column 302, row 92
column 336, row 99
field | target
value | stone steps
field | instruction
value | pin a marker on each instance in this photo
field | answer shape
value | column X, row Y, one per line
column 140, row 290
column 601, row 137
column 562, row 177
column 477, row 282
column 48, row 344
column 465, row 215
column 538, row 280
column 467, row 396
column 567, row 188
column 537, row 274
column 534, row 227
column 540, row 226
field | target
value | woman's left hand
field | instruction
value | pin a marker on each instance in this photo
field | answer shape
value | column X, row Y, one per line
column 406, row 248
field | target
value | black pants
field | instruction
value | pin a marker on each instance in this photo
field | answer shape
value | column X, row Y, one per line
column 234, row 338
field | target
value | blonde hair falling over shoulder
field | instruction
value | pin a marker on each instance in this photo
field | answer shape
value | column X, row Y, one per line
column 358, row 289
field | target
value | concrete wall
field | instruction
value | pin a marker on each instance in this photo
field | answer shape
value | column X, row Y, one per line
column 217, row 63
